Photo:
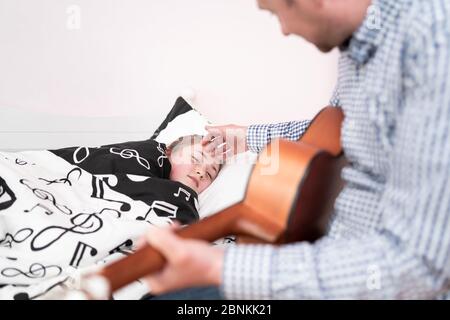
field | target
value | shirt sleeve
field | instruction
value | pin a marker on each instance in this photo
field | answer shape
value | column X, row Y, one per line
column 258, row 136
column 409, row 256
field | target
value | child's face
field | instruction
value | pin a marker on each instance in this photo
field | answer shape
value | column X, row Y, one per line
column 193, row 166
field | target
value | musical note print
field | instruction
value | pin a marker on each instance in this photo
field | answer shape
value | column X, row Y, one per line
column 21, row 162
column 83, row 223
column 162, row 156
column 26, row 296
column 98, row 192
column 181, row 190
column 113, row 211
column 75, row 171
column 22, row 296
column 79, row 253
column 19, row 237
column 7, row 197
column 110, row 179
column 125, row 248
column 131, row 153
column 35, row 271
column 47, row 211
column 160, row 209
column 78, row 156
column 45, row 195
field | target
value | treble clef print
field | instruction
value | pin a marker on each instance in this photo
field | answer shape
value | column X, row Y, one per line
column 7, row 196
column 46, row 210
column 35, row 271
column 45, row 195
column 83, row 223
column 131, row 153
column 19, row 237
column 74, row 171
column 162, row 156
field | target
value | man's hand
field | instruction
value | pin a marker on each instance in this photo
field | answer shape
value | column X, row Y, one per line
column 225, row 141
column 189, row 263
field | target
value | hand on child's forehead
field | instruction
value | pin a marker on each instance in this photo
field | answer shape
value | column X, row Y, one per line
column 197, row 150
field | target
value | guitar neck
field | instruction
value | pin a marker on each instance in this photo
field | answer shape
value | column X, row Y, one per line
column 148, row 260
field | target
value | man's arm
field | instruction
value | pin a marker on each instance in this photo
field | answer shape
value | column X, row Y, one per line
column 231, row 139
column 410, row 256
column 258, row 136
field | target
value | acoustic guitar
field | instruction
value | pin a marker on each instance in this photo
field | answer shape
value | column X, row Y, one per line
column 289, row 197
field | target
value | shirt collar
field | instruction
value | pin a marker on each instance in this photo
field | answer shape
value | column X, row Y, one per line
column 381, row 15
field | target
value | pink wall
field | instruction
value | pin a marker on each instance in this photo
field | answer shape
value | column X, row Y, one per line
column 134, row 57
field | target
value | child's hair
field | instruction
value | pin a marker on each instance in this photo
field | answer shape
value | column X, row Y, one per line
column 183, row 141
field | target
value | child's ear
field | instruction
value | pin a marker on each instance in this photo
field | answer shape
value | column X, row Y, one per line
column 168, row 152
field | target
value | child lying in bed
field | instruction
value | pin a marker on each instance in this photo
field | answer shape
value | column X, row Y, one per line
column 168, row 179
column 56, row 218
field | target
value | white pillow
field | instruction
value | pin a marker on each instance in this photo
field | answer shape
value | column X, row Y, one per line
column 189, row 123
column 230, row 185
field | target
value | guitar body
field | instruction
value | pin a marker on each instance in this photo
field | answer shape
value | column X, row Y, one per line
column 294, row 184
column 289, row 197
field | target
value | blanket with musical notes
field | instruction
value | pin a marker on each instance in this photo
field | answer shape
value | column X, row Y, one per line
column 67, row 209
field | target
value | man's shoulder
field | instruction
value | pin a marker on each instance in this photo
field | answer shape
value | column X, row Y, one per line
column 429, row 17
column 427, row 30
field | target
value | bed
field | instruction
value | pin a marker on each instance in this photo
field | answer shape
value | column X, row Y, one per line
column 95, row 225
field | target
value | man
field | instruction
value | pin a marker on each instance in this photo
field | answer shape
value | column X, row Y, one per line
column 390, row 234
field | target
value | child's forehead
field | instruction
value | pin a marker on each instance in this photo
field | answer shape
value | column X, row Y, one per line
column 191, row 147
column 196, row 149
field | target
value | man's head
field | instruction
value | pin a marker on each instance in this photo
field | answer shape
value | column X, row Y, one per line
column 191, row 164
column 325, row 23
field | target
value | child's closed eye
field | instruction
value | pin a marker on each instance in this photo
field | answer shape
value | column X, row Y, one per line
column 195, row 159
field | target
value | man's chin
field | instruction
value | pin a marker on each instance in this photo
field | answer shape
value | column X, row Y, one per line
column 324, row 48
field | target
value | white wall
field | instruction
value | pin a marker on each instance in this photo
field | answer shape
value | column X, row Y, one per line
column 117, row 76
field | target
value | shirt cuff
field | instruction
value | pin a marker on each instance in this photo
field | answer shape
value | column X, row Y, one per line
column 257, row 137
column 247, row 272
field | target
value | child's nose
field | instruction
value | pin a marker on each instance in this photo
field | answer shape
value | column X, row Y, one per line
column 201, row 172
